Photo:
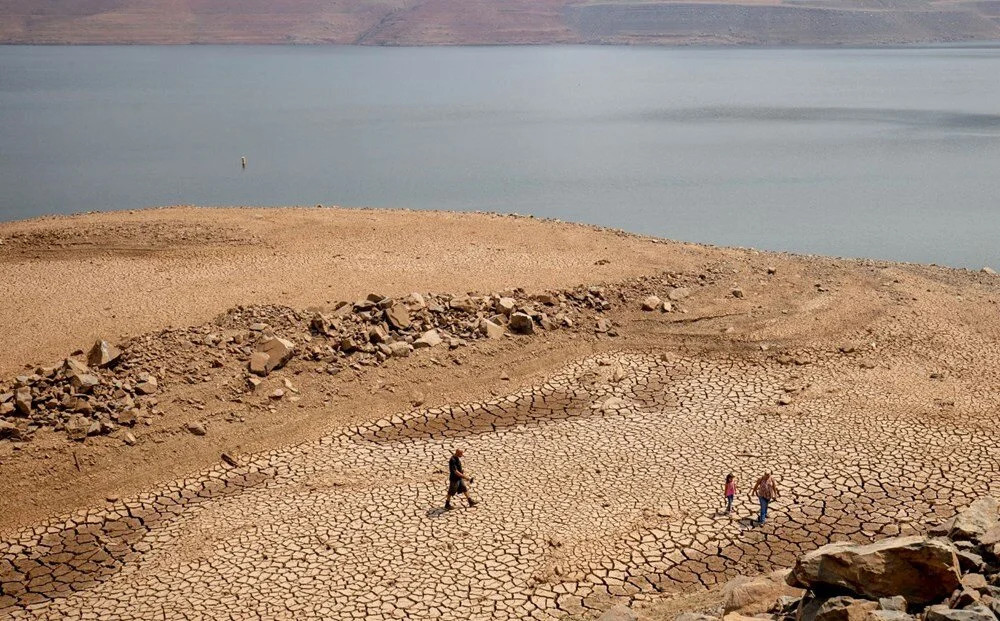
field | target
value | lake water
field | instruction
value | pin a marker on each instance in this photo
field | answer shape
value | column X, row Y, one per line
column 879, row 153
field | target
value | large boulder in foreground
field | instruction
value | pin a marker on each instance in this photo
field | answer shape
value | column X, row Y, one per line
column 924, row 571
column 749, row 596
column 975, row 520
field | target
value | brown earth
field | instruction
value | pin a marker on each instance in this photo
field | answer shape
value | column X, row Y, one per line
column 472, row 22
column 872, row 380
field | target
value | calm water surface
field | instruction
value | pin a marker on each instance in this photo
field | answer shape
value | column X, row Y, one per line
column 880, row 153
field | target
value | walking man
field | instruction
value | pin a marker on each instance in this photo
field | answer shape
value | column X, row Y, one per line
column 457, row 479
column 766, row 490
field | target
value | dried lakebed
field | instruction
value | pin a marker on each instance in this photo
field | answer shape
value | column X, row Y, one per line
column 603, row 482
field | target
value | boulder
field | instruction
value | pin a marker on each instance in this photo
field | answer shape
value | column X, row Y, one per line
column 378, row 334
column 924, row 571
column 521, row 323
column 651, row 303
column 506, row 305
column 888, row 615
column 431, row 338
column 84, row 382
column 415, row 301
column 103, row 354
column 22, row 400
column 839, row 609
column 976, row 612
column 7, row 430
column 547, row 299
column 278, row 351
column 975, row 520
column 465, row 304
column 755, row 595
column 491, row 329
column 72, row 366
column 621, row 612
column 896, row 602
column 398, row 316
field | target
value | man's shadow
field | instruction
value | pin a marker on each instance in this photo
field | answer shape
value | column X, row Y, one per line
column 436, row 512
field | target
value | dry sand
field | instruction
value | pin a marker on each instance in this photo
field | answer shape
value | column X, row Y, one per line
column 877, row 383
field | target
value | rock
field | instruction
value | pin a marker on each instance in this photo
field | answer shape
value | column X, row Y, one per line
column 666, row 307
column 974, row 582
column 970, row 561
column 755, row 595
column 521, row 323
column 989, row 270
column 77, row 428
column 972, row 613
column 196, row 428
column 258, row 327
column 72, row 366
column 547, row 299
column 603, row 325
column 464, row 303
column 896, row 602
column 400, row 349
column 129, row 438
column 258, row 363
column 621, row 612
column 277, row 394
column 888, row 615
column 651, row 303
column 431, row 338
column 147, row 385
column 678, row 293
column 694, row 616
column 771, row 270
column 491, row 329
column 737, row 292
column 975, row 520
column 22, row 400
column 506, row 305
column 415, row 301
column 84, row 382
column 7, row 430
column 278, row 351
column 321, row 324
column 839, row 609
column 103, row 354
column 924, row 571
column 378, row 334
column 398, row 316
column 229, row 459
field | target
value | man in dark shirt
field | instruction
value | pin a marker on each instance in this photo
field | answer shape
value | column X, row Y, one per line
column 457, row 479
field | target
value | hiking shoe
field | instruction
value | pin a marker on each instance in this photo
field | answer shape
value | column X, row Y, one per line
column 447, row 506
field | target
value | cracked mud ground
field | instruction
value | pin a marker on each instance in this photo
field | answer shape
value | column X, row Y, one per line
column 601, row 482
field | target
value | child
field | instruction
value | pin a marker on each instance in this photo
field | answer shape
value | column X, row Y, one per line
column 730, row 492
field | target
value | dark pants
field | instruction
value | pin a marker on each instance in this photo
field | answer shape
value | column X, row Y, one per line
column 729, row 503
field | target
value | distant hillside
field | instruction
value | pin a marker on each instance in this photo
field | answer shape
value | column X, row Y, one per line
column 455, row 22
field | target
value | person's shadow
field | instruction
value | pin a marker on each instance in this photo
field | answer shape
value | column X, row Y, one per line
column 436, row 512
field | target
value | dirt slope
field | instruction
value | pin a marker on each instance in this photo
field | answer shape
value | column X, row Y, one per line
column 454, row 22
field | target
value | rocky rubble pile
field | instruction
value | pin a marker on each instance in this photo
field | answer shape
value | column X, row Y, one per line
column 951, row 575
column 107, row 390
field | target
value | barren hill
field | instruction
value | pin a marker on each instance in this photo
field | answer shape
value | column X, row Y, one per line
column 457, row 22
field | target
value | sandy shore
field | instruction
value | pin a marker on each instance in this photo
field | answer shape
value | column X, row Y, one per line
column 69, row 280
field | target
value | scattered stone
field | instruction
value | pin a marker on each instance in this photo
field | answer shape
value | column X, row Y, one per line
column 430, row 338
column 921, row 570
column 754, row 595
column 196, row 428
column 77, row 428
column 228, row 459
column 737, row 292
column 974, row 521
column 400, row 349
column 103, row 354
column 972, row 613
column 398, row 316
column 521, row 323
column 22, row 400
column 277, row 394
column 129, row 438
column 7, row 430
column 464, row 304
column 147, row 386
column 651, row 303
column 678, row 293
column 278, row 352
column 490, row 329
column 896, row 602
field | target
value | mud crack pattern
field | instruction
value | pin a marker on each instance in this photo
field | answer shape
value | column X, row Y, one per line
column 604, row 482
